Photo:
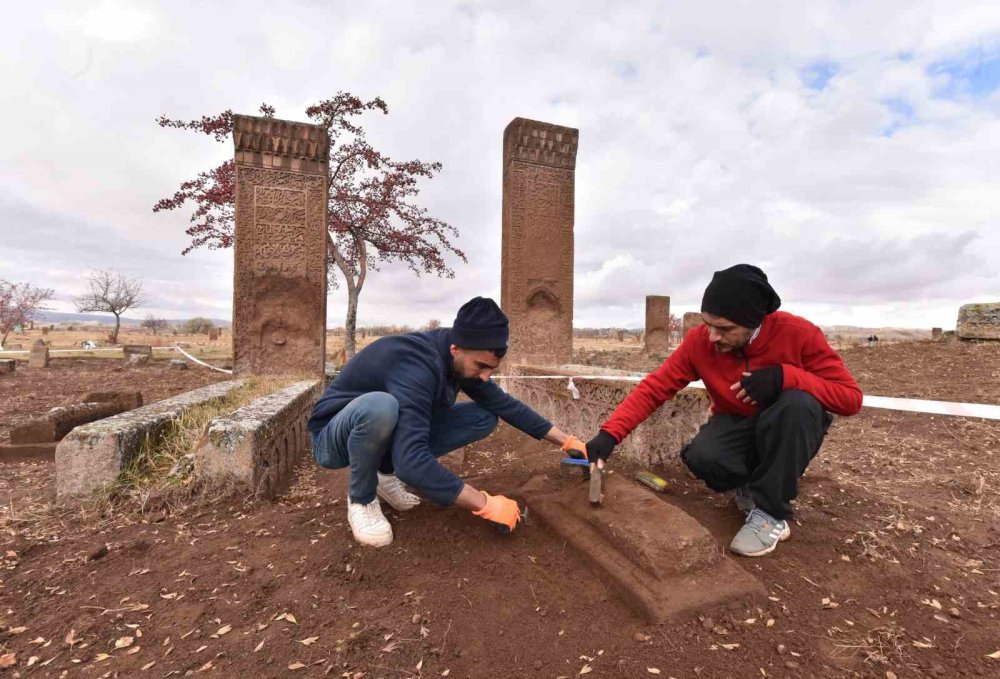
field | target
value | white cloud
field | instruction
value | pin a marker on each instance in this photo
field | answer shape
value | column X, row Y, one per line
column 700, row 143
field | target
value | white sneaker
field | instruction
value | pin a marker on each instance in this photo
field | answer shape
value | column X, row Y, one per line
column 368, row 524
column 392, row 490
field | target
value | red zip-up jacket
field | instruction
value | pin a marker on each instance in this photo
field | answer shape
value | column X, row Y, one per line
column 807, row 360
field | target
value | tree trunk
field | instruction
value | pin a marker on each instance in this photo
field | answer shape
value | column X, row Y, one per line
column 118, row 323
column 351, row 322
column 3, row 340
column 353, row 292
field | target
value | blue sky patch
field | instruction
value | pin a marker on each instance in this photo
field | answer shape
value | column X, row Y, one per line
column 975, row 74
column 816, row 76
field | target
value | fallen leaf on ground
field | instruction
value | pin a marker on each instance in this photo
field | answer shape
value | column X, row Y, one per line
column 296, row 666
column 586, row 669
column 101, row 656
column 225, row 629
column 259, row 646
column 124, row 642
column 8, row 660
column 308, row 641
column 652, row 670
column 995, row 655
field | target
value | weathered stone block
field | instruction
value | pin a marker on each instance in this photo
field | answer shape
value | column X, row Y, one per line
column 979, row 321
column 660, row 561
column 936, row 333
column 128, row 400
column 279, row 296
column 39, row 357
column 657, row 335
column 655, row 441
column 59, row 421
column 15, row 452
column 178, row 364
column 536, row 280
column 692, row 319
column 258, row 445
column 93, row 455
column 8, row 366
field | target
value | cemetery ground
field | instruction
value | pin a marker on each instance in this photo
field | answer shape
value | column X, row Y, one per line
column 892, row 569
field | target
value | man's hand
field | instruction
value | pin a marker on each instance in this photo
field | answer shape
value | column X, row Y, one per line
column 575, row 448
column 500, row 509
column 761, row 387
column 600, row 447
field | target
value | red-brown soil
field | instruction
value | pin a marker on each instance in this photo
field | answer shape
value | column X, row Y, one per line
column 892, row 567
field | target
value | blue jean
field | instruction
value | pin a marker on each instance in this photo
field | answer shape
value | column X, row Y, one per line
column 360, row 437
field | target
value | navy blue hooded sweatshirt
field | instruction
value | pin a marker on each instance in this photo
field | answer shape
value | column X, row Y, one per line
column 417, row 370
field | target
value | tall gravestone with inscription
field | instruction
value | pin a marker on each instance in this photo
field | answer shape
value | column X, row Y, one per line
column 536, row 286
column 279, row 298
column 657, row 337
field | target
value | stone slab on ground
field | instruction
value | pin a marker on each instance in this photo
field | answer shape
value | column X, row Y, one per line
column 257, row 446
column 59, row 421
column 656, row 441
column 979, row 321
column 659, row 560
column 7, row 366
column 93, row 455
column 128, row 400
column 16, row 452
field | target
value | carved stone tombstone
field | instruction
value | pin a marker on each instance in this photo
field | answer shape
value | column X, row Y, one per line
column 39, row 357
column 279, row 297
column 536, row 286
column 657, row 334
column 936, row 333
column 692, row 319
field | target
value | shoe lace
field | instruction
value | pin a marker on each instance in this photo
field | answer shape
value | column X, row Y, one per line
column 371, row 512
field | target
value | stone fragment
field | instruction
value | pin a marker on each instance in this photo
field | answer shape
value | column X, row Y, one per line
column 279, row 298
column 936, row 333
column 536, row 280
column 39, row 355
column 657, row 335
column 8, row 366
column 979, row 321
column 59, row 421
column 692, row 319
column 213, row 334
column 131, row 350
column 93, row 455
column 138, row 359
column 258, row 445
column 178, row 364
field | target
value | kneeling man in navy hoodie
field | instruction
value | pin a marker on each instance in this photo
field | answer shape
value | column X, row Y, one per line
column 391, row 413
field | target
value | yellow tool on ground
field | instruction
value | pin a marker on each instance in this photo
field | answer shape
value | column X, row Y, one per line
column 652, row 481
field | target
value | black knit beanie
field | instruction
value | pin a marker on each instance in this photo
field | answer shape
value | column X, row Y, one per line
column 742, row 294
column 480, row 324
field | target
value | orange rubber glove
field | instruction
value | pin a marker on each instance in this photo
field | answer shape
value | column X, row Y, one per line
column 573, row 444
column 500, row 509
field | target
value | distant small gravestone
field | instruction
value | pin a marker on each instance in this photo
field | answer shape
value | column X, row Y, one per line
column 936, row 333
column 39, row 355
column 692, row 319
column 45, row 331
column 132, row 351
column 7, row 366
column 213, row 334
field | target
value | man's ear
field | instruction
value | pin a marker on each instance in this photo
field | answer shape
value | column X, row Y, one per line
column 454, row 350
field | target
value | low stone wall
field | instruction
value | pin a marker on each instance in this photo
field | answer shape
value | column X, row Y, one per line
column 93, row 455
column 258, row 445
column 60, row 421
column 656, row 441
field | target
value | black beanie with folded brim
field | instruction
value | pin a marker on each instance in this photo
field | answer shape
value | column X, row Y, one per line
column 480, row 324
column 741, row 294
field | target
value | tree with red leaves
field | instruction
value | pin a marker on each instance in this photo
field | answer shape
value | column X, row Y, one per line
column 19, row 304
column 675, row 327
column 373, row 216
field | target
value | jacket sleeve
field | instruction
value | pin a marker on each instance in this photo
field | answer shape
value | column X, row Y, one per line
column 658, row 387
column 824, row 375
column 411, row 384
column 512, row 411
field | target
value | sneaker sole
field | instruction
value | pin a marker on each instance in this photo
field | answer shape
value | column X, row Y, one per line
column 787, row 533
column 372, row 542
column 388, row 500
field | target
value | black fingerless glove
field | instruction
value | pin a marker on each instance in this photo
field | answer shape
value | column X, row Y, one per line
column 764, row 385
column 600, row 447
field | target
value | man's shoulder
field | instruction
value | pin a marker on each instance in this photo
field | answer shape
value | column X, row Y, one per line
column 783, row 320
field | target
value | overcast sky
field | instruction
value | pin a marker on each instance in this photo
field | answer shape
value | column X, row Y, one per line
column 850, row 149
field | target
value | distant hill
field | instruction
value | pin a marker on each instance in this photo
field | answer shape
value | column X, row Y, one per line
column 108, row 319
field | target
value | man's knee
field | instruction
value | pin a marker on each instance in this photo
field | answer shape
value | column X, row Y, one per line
column 699, row 459
column 377, row 413
column 486, row 422
column 794, row 402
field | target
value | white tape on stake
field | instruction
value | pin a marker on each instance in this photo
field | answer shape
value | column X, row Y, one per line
column 907, row 405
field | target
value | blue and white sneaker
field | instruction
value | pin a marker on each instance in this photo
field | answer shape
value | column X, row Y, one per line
column 760, row 534
column 744, row 500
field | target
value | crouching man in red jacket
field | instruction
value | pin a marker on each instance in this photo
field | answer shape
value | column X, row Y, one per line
column 773, row 381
